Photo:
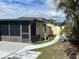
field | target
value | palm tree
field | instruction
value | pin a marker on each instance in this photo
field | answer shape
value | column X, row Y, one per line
column 71, row 10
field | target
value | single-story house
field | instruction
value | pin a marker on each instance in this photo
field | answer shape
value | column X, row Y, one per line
column 23, row 29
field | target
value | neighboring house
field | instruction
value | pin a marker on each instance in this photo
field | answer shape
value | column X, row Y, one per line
column 23, row 29
column 55, row 29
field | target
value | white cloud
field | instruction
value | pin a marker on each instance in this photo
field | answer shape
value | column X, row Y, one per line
column 14, row 10
column 51, row 4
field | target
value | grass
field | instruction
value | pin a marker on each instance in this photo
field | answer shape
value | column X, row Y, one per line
column 44, row 41
column 50, row 52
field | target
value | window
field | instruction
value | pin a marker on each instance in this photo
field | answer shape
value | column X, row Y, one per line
column 4, row 29
column 14, row 30
column 25, row 28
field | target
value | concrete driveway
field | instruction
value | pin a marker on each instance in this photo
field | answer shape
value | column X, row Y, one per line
column 7, row 48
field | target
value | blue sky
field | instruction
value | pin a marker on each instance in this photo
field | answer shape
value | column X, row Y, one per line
column 29, row 8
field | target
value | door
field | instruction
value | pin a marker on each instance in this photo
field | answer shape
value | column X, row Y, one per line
column 25, row 33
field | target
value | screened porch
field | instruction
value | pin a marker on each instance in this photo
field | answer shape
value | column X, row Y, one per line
column 15, row 31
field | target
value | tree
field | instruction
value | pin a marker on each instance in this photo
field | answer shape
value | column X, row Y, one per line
column 71, row 10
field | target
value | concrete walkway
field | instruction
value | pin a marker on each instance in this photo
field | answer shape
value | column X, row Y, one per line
column 25, row 55
column 40, row 45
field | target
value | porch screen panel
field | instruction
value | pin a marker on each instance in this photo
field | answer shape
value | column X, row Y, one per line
column 25, row 32
column 4, row 29
column 14, row 30
column 25, row 36
column 25, row 28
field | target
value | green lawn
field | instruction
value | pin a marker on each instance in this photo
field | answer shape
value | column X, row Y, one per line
column 51, row 52
column 44, row 41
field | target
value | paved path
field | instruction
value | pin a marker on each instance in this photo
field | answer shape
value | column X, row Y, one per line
column 26, row 55
column 40, row 45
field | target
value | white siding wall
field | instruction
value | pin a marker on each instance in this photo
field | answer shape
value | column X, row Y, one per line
column 56, row 29
column 39, row 29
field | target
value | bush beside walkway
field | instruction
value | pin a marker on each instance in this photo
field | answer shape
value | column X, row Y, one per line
column 44, row 41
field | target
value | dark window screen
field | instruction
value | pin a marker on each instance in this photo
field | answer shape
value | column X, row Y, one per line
column 4, row 29
column 25, row 28
column 14, row 30
column 25, row 36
